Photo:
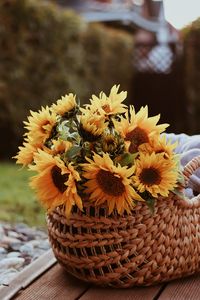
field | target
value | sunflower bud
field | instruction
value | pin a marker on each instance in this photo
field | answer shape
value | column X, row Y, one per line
column 110, row 142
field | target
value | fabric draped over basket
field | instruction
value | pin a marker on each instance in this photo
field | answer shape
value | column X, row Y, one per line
column 188, row 147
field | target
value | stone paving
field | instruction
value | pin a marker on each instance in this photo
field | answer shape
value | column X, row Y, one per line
column 20, row 245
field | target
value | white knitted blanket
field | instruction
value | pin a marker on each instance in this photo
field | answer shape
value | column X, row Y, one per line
column 188, row 147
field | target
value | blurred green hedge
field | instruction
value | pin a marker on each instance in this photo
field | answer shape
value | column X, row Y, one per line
column 45, row 52
column 191, row 37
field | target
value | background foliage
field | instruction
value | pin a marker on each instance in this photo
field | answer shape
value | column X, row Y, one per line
column 45, row 52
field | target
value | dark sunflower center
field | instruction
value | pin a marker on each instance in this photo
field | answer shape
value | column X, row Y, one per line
column 150, row 176
column 110, row 141
column 88, row 136
column 109, row 183
column 59, row 179
column 137, row 137
column 106, row 108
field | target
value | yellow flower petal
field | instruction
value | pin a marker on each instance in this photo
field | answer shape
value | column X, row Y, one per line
column 64, row 105
column 138, row 129
column 155, row 174
column 109, row 183
column 55, row 182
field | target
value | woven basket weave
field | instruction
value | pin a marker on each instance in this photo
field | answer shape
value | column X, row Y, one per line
column 128, row 250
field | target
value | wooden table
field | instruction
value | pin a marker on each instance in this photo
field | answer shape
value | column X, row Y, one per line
column 46, row 280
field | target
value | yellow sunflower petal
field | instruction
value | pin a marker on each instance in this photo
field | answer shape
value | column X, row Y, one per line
column 155, row 174
column 55, row 183
column 26, row 154
column 139, row 128
column 64, row 105
column 40, row 125
column 107, row 105
column 109, row 183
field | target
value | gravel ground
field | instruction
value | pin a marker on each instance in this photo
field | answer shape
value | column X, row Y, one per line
column 20, row 245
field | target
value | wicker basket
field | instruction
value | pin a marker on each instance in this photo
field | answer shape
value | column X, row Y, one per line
column 128, row 250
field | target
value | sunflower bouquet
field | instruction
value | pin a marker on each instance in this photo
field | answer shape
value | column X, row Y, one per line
column 103, row 152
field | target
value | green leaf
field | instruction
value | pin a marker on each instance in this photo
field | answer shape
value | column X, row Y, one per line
column 73, row 151
column 181, row 179
column 127, row 159
column 151, row 204
column 179, row 193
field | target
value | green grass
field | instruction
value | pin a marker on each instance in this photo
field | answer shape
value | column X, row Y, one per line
column 18, row 202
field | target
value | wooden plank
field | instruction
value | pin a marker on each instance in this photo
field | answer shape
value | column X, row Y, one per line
column 139, row 293
column 54, row 284
column 182, row 289
column 29, row 274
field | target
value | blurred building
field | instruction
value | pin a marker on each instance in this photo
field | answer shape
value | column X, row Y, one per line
column 158, row 79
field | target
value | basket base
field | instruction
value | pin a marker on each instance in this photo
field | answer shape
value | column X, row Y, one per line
column 131, row 250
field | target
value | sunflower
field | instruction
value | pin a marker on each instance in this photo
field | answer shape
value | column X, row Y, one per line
column 110, row 142
column 55, row 183
column 64, row 105
column 155, row 174
column 91, row 126
column 25, row 154
column 109, row 183
column 60, row 146
column 138, row 129
column 159, row 145
column 40, row 125
column 108, row 105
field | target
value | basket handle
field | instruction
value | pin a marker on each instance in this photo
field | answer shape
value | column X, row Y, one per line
column 188, row 170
